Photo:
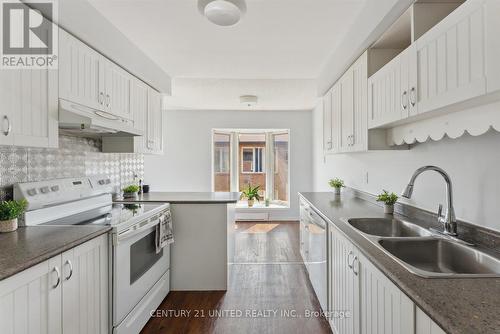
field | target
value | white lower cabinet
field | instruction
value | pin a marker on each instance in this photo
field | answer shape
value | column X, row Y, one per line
column 384, row 308
column 362, row 300
column 64, row 295
column 343, row 284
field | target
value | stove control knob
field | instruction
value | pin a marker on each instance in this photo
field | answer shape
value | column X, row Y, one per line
column 45, row 190
column 32, row 192
column 54, row 188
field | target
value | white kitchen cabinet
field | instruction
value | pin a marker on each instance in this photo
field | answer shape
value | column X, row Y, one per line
column 331, row 120
column 384, row 308
column 425, row 325
column 47, row 298
column 451, row 58
column 360, row 96
column 388, row 92
column 343, row 283
column 327, row 122
column 346, row 110
column 85, row 288
column 116, row 83
column 154, row 137
column 492, row 45
column 139, row 106
column 30, row 302
column 29, row 112
column 79, row 67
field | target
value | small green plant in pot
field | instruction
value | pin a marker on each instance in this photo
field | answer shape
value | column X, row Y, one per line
column 389, row 200
column 251, row 194
column 10, row 211
column 131, row 191
column 337, row 184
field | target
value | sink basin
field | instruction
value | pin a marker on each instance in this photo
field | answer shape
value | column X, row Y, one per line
column 441, row 258
column 385, row 227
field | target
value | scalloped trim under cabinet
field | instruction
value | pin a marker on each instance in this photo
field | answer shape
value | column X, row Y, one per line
column 475, row 121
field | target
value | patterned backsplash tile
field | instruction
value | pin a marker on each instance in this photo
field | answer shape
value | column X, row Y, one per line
column 75, row 157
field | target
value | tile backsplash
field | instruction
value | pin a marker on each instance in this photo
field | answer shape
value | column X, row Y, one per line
column 75, row 157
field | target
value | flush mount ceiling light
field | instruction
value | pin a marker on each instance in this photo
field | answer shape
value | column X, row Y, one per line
column 249, row 100
column 222, row 12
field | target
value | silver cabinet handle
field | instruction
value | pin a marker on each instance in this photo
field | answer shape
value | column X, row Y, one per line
column 9, row 126
column 68, row 263
column 403, row 98
column 101, row 98
column 349, row 264
column 329, row 144
column 108, row 100
column 353, row 267
column 413, row 92
column 56, row 270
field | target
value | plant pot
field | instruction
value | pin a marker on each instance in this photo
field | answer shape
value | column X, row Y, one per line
column 130, row 195
column 388, row 209
column 336, row 191
column 8, row 225
column 250, row 203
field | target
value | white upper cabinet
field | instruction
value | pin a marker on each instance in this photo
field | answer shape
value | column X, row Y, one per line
column 451, row 58
column 29, row 113
column 139, row 107
column 345, row 111
column 154, row 139
column 79, row 72
column 116, row 88
column 492, row 45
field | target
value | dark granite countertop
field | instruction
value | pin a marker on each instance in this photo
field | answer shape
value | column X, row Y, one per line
column 458, row 305
column 186, row 197
column 31, row 245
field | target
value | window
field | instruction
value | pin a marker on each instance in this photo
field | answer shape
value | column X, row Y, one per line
column 252, row 160
column 253, row 157
column 221, row 160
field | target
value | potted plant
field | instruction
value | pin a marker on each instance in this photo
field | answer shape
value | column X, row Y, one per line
column 336, row 184
column 10, row 211
column 131, row 191
column 251, row 194
column 389, row 200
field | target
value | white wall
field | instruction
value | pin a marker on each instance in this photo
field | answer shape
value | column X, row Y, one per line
column 472, row 162
column 186, row 165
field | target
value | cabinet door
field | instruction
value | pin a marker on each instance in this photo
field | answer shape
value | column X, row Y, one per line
column 425, row 325
column 347, row 110
column 79, row 72
column 493, row 45
column 451, row 59
column 327, row 122
column 359, row 140
column 29, row 107
column 85, row 288
column 384, row 308
column 119, row 92
column 30, row 302
column 154, row 142
column 336, row 108
column 139, row 108
column 388, row 92
column 343, row 283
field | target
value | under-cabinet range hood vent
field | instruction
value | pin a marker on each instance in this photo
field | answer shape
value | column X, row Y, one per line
column 77, row 119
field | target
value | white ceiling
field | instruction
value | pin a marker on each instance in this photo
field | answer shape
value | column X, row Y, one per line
column 277, row 39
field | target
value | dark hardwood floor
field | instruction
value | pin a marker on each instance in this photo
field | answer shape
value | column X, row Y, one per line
column 268, row 291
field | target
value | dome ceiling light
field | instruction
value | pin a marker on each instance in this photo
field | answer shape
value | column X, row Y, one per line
column 222, row 12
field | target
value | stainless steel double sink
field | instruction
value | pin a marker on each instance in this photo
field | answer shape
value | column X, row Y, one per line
column 424, row 252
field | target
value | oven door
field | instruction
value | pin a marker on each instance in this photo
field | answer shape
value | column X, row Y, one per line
column 136, row 266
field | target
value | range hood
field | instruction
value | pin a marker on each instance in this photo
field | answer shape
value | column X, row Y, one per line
column 81, row 120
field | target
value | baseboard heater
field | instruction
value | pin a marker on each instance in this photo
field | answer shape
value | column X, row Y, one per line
column 252, row 216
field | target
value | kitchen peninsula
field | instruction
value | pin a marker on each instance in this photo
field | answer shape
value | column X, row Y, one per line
column 203, row 224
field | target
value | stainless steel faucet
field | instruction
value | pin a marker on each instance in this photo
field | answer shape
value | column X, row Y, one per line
column 448, row 219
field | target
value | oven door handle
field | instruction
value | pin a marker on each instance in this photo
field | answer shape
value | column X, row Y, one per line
column 134, row 230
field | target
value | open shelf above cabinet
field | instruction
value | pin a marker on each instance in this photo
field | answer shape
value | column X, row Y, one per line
column 419, row 18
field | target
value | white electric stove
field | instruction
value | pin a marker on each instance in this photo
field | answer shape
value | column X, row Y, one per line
column 140, row 274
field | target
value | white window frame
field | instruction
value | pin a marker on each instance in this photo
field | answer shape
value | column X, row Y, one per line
column 220, row 169
column 254, row 156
